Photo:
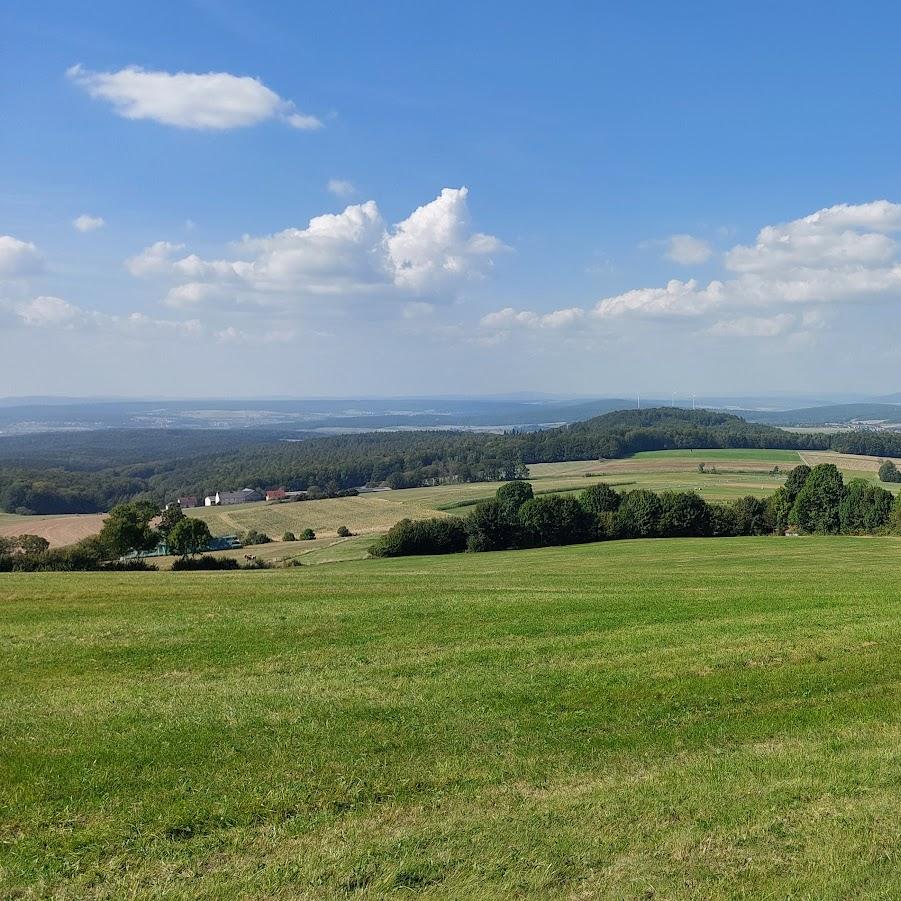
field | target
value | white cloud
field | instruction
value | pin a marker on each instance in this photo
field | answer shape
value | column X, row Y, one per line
column 687, row 250
column 50, row 311
column 340, row 187
column 153, row 260
column 433, row 245
column 426, row 257
column 678, row 298
column 86, row 223
column 214, row 100
column 18, row 258
column 752, row 326
column 510, row 318
column 55, row 313
column 841, row 254
column 192, row 294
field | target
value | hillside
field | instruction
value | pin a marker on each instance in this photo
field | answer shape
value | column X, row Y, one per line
column 644, row 719
column 95, row 478
column 828, row 415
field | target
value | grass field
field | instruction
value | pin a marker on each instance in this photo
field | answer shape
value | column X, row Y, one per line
column 768, row 455
column 643, row 719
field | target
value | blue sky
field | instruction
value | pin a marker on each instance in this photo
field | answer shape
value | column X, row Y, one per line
column 619, row 161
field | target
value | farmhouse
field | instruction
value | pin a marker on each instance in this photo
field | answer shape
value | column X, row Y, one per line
column 276, row 494
column 186, row 502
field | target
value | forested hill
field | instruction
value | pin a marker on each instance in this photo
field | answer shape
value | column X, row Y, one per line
column 123, row 466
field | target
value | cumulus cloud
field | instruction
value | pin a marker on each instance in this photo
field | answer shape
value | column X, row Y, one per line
column 340, row 187
column 86, row 223
column 687, row 250
column 841, row 254
column 48, row 312
column 508, row 318
column 426, row 257
column 678, row 298
column 214, row 100
column 18, row 258
column 153, row 260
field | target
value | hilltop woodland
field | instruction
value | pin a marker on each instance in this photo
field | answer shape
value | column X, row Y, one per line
column 93, row 472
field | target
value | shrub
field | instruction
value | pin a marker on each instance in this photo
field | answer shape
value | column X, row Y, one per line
column 553, row 520
column 489, row 529
column 252, row 537
column 779, row 506
column 750, row 516
column 344, row 532
column 207, row 561
column 307, row 535
column 888, row 472
column 446, row 535
column 865, row 508
column 139, row 564
column 511, row 496
column 289, row 536
column 638, row 515
column 600, row 498
column 683, row 514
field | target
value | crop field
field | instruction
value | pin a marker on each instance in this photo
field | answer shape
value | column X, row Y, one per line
column 646, row 719
column 366, row 513
column 58, row 530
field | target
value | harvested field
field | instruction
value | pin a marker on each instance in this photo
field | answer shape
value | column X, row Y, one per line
column 58, row 530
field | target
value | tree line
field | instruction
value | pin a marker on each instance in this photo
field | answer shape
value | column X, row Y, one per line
column 812, row 501
column 151, row 468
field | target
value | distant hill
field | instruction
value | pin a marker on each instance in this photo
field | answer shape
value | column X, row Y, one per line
column 827, row 415
column 84, row 473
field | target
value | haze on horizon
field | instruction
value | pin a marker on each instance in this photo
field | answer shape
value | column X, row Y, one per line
column 218, row 198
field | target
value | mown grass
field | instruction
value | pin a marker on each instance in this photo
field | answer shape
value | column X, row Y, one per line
column 730, row 453
column 667, row 719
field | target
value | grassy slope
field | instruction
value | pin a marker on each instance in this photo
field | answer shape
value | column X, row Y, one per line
column 776, row 456
column 634, row 719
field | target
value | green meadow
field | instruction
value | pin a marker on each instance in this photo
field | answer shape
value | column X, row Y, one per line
column 639, row 719
column 736, row 453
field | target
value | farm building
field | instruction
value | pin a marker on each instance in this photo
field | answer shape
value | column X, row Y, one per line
column 276, row 494
column 225, row 498
column 186, row 502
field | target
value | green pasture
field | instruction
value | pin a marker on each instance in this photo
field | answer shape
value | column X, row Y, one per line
column 688, row 718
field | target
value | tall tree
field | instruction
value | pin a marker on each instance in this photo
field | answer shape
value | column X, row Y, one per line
column 127, row 528
column 189, row 536
column 818, row 504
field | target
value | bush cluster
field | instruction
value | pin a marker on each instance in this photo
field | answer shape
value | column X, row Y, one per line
column 812, row 501
column 204, row 562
